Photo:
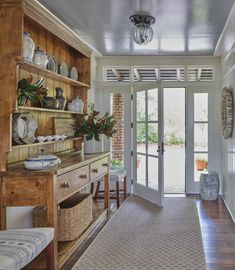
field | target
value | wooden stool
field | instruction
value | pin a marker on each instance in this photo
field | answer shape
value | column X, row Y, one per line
column 117, row 176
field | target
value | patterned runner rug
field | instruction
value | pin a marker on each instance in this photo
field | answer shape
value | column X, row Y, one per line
column 143, row 236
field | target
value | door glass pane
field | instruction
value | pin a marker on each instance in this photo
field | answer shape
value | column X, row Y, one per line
column 141, row 137
column 153, row 105
column 153, row 172
column 152, row 138
column 200, row 107
column 140, row 106
column 201, row 137
column 141, row 169
column 200, row 164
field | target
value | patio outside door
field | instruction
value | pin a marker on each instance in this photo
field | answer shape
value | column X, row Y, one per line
column 148, row 147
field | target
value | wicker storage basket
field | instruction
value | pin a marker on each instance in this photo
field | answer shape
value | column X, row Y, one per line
column 74, row 216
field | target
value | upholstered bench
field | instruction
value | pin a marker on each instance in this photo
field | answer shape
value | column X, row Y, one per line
column 20, row 247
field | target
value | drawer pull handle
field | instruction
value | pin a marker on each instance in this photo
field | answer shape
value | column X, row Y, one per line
column 83, row 176
column 95, row 170
column 65, row 185
column 105, row 165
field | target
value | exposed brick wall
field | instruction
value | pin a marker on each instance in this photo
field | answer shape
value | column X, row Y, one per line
column 118, row 138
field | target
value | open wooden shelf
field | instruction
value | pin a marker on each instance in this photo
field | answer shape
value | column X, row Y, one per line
column 28, row 108
column 50, row 74
column 43, row 143
column 65, row 249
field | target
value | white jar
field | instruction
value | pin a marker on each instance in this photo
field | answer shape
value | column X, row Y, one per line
column 79, row 104
column 28, row 47
column 40, row 58
column 72, row 107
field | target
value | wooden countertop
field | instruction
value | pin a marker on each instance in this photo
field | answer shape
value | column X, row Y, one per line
column 69, row 162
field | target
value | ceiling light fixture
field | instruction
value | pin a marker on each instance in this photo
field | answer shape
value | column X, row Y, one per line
column 143, row 32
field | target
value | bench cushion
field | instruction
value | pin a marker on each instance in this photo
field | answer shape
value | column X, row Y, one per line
column 19, row 247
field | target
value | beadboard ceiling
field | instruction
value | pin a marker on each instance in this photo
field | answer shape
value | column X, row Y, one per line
column 183, row 27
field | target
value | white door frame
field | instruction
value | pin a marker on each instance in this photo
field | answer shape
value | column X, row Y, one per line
column 192, row 186
column 150, row 194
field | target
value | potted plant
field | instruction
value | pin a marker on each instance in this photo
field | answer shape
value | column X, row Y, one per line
column 92, row 126
column 33, row 92
column 201, row 163
column 138, row 160
column 117, row 164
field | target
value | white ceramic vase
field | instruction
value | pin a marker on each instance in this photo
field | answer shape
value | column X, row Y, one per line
column 28, row 47
column 93, row 146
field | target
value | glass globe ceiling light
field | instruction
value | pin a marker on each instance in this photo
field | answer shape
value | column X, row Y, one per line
column 143, row 32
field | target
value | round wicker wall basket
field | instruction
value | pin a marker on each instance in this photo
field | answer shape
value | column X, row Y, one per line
column 227, row 112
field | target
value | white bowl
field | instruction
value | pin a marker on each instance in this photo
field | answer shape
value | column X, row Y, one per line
column 63, row 137
column 41, row 138
column 57, row 137
column 41, row 162
column 49, row 138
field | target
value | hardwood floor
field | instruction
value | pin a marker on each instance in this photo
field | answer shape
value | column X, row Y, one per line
column 218, row 233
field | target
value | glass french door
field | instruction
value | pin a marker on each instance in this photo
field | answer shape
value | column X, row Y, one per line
column 148, row 146
column 199, row 135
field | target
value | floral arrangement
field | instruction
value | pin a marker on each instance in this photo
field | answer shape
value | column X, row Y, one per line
column 92, row 126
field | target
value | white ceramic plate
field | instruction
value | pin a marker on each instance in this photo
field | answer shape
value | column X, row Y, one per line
column 63, row 69
column 32, row 126
column 19, row 128
column 24, row 128
column 52, row 64
column 74, row 73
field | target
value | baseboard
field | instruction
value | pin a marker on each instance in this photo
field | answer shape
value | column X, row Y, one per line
column 228, row 209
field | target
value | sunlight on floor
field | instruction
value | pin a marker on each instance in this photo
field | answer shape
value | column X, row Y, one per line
column 174, row 195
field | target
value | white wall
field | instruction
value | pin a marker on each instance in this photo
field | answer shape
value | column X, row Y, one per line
column 226, row 48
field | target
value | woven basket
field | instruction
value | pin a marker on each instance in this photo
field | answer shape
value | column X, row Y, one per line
column 74, row 216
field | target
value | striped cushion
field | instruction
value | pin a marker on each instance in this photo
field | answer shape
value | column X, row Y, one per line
column 19, row 247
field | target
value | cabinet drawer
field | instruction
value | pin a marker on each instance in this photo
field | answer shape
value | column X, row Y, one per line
column 99, row 167
column 71, row 181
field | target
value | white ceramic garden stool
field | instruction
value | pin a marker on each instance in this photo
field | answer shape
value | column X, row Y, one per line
column 209, row 185
column 20, row 247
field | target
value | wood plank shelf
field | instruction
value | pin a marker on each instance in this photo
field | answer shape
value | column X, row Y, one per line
column 50, row 74
column 43, row 143
column 65, row 249
column 28, row 108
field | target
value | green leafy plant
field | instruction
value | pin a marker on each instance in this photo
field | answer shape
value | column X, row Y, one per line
column 32, row 92
column 173, row 139
column 141, row 134
column 92, row 126
column 116, row 163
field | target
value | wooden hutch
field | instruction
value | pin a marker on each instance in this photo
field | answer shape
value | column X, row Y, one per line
column 18, row 186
